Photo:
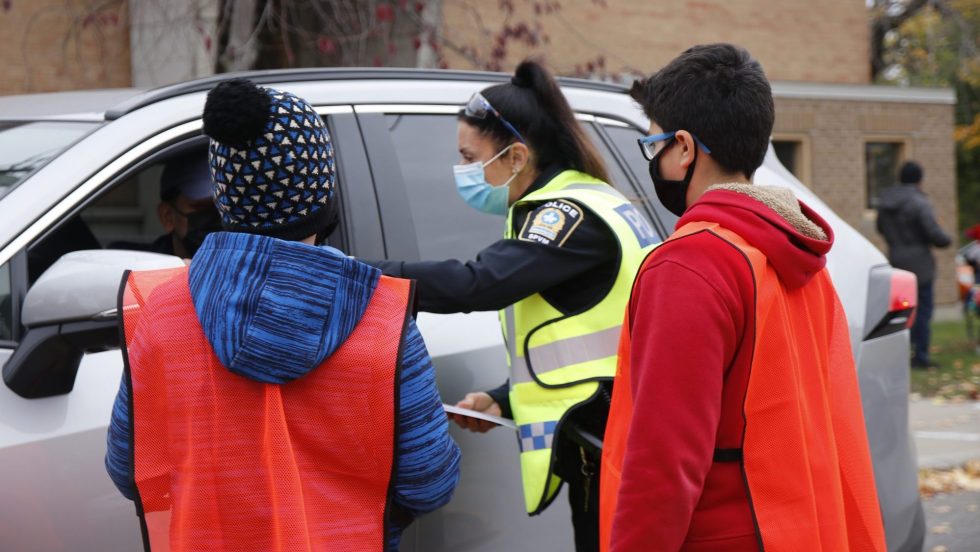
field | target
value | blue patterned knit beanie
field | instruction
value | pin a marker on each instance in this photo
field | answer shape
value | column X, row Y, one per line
column 271, row 160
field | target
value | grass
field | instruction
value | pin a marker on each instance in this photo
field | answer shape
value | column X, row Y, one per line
column 958, row 375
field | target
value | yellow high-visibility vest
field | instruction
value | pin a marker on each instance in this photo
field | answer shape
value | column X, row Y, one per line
column 556, row 360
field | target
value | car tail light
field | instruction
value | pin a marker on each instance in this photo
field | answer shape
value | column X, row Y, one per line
column 901, row 303
column 905, row 295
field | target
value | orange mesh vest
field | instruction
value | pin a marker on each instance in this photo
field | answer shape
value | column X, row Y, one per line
column 805, row 452
column 223, row 463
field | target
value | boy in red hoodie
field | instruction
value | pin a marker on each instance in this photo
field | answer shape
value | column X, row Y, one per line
column 736, row 421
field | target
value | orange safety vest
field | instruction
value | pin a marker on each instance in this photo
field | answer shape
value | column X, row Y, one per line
column 805, row 452
column 223, row 462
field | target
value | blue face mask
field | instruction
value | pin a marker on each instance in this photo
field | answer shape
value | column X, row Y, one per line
column 472, row 185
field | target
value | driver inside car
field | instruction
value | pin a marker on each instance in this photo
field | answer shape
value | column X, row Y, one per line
column 186, row 209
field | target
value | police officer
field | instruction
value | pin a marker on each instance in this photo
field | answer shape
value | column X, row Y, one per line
column 560, row 277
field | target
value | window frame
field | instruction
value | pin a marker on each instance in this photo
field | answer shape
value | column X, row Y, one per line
column 905, row 153
column 803, row 154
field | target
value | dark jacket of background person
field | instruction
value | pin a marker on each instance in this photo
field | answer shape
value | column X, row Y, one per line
column 906, row 221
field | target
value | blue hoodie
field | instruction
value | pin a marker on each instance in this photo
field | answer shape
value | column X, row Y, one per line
column 273, row 311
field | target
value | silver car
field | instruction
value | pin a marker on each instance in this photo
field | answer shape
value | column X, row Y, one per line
column 80, row 171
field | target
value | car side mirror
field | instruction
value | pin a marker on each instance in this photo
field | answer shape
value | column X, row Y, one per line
column 70, row 311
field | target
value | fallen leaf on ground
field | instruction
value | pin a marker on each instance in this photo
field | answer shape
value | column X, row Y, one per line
column 942, row 529
column 962, row 478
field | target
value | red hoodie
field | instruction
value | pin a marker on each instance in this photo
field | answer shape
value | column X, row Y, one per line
column 691, row 310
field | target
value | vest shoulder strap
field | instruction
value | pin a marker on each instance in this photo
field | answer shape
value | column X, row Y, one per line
column 755, row 257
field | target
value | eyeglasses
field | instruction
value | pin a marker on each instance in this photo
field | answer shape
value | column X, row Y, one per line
column 478, row 107
column 648, row 143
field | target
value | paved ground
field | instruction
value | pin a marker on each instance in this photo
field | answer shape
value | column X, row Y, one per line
column 947, row 435
column 953, row 522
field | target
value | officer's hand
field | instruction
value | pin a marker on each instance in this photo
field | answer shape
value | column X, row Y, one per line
column 481, row 402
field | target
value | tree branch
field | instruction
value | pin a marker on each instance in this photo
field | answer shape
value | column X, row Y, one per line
column 882, row 22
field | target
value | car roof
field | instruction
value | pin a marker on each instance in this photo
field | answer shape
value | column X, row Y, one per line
column 331, row 74
column 110, row 104
column 87, row 105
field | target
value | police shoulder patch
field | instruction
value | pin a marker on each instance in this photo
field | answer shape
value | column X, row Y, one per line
column 552, row 223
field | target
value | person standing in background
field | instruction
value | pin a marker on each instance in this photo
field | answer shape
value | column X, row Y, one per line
column 908, row 224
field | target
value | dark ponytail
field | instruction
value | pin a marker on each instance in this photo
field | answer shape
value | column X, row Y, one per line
column 535, row 105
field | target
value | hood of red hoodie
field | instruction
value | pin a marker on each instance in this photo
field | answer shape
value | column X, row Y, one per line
column 792, row 236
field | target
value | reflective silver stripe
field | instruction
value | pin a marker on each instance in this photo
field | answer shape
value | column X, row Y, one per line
column 519, row 372
column 561, row 353
column 608, row 190
column 518, row 368
column 574, row 350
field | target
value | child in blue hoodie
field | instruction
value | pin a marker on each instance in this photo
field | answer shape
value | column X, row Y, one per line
column 275, row 314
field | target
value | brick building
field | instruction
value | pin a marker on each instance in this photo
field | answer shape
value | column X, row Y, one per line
column 835, row 131
column 53, row 45
column 839, row 134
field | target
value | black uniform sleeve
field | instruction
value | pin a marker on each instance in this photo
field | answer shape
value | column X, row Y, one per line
column 557, row 241
column 502, row 396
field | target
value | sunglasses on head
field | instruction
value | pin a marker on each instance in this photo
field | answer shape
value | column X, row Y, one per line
column 478, row 108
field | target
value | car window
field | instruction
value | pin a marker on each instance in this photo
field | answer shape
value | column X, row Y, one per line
column 445, row 226
column 26, row 146
column 6, row 307
column 618, row 178
column 125, row 216
column 625, row 140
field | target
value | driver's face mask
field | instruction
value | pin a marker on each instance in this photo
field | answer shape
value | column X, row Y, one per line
column 199, row 225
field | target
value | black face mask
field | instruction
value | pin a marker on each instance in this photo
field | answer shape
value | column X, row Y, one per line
column 199, row 225
column 672, row 193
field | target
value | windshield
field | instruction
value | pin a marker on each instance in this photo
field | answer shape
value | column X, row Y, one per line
column 26, row 146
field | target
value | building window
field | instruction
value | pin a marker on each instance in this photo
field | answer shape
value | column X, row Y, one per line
column 793, row 151
column 881, row 160
column 789, row 154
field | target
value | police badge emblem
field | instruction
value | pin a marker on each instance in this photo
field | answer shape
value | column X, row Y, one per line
column 548, row 223
column 552, row 223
